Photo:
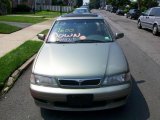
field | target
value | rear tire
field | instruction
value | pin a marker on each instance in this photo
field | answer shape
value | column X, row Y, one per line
column 155, row 30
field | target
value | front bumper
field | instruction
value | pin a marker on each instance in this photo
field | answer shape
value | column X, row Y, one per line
column 103, row 98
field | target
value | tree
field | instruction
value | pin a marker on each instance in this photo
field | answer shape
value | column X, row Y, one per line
column 5, row 7
column 94, row 4
column 118, row 3
column 145, row 4
column 79, row 3
column 54, row 2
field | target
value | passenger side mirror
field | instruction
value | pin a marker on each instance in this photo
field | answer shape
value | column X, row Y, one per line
column 119, row 35
column 41, row 36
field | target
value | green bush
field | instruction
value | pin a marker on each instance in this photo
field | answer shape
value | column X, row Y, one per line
column 22, row 8
column 5, row 7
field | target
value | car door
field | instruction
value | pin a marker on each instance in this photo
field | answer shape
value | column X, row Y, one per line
column 157, row 17
column 144, row 18
column 151, row 18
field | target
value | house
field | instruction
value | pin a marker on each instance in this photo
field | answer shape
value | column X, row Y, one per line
column 31, row 3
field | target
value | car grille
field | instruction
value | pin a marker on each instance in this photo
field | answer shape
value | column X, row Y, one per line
column 79, row 82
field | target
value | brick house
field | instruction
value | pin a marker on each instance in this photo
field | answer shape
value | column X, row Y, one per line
column 31, row 3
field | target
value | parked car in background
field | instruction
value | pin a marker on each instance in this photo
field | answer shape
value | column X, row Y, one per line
column 133, row 14
column 120, row 12
column 85, row 6
column 108, row 7
column 113, row 9
column 80, row 67
column 150, row 20
column 81, row 11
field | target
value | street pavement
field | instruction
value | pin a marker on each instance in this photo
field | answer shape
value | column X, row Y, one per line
column 142, row 38
column 11, row 41
column 143, row 103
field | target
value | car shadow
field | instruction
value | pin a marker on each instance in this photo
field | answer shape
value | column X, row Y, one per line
column 148, row 30
column 135, row 109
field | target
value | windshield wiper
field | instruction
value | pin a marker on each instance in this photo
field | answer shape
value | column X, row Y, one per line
column 89, row 41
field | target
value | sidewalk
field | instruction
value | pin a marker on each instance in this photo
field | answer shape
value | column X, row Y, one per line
column 12, row 41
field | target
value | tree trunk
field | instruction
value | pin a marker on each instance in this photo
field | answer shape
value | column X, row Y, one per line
column 139, row 4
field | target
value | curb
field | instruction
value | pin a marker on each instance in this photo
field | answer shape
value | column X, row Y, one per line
column 15, row 75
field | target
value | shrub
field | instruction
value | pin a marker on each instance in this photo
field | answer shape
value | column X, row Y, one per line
column 5, row 7
column 22, row 8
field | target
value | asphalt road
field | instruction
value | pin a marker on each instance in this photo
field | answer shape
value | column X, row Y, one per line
column 143, row 103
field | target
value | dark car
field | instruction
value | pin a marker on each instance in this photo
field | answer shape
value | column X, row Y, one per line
column 120, row 12
column 113, row 9
column 133, row 14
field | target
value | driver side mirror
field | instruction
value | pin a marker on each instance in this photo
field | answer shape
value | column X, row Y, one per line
column 119, row 35
column 41, row 36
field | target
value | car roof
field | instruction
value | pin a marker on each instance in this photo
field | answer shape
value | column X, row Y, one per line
column 79, row 16
column 82, row 8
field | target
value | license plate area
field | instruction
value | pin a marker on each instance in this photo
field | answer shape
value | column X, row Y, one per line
column 80, row 101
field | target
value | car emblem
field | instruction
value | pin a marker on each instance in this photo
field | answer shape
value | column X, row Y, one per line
column 80, row 81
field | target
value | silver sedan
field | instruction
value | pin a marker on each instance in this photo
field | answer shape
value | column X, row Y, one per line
column 80, row 67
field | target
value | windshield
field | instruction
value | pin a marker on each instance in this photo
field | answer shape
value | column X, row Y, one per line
column 79, row 30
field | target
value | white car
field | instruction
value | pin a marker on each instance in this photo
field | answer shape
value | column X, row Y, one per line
column 150, row 20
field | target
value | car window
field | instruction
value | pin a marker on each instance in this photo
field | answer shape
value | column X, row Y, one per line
column 157, row 11
column 153, row 12
column 147, row 12
column 79, row 30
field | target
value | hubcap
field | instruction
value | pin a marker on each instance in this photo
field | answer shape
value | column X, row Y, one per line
column 155, row 30
column 139, row 24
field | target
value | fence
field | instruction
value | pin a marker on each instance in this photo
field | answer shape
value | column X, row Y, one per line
column 54, row 8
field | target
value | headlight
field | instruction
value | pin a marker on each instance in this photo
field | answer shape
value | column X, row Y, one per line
column 117, row 79
column 42, row 80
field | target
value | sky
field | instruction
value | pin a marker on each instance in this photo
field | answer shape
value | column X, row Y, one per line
column 84, row 1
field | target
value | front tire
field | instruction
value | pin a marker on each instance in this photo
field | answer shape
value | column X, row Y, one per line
column 139, row 25
column 155, row 30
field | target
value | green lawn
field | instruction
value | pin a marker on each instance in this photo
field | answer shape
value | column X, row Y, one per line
column 48, row 14
column 44, row 32
column 6, row 29
column 14, row 59
column 22, row 19
column 44, row 14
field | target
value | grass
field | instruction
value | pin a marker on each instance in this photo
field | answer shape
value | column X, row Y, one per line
column 6, row 29
column 44, row 14
column 47, row 14
column 22, row 19
column 44, row 32
column 14, row 59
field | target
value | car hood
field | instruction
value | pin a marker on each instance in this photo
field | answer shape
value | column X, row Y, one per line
column 79, row 60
